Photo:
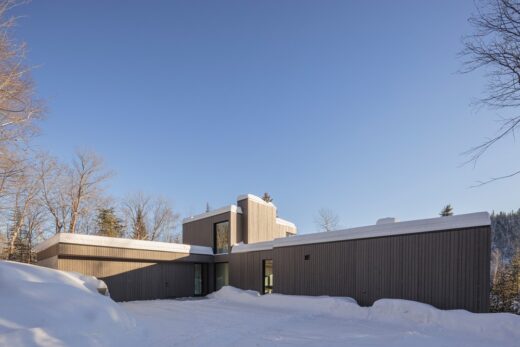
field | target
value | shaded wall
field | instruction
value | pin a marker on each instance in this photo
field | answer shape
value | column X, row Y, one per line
column 132, row 274
column 447, row 269
column 246, row 269
column 201, row 232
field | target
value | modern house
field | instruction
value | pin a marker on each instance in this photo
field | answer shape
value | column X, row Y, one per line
column 441, row 261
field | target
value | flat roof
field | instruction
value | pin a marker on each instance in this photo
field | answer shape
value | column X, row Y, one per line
column 104, row 241
column 379, row 230
column 225, row 209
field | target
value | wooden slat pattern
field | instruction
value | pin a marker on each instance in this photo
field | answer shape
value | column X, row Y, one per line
column 137, row 280
column 447, row 269
column 245, row 269
column 86, row 251
column 200, row 232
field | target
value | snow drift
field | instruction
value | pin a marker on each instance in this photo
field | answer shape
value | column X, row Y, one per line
column 46, row 307
column 501, row 326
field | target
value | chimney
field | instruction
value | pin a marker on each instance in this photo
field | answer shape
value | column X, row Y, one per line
column 387, row 220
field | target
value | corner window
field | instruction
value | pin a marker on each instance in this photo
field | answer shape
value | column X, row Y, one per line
column 221, row 239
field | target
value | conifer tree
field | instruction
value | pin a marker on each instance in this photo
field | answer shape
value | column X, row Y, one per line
column 267, row 198
column 108, row 224
column 139, row 230
column 447, row 211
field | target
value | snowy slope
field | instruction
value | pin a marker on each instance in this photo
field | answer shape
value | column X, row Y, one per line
column 233, row 317
column 45, row 307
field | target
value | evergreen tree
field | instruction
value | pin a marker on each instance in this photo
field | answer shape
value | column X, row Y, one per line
column 267, row 197
column 447, row 211
column 505, row 294
column 139, row 230
column 108, row 224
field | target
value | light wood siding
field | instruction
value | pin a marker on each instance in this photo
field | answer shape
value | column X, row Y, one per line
column 282, row 230
column 259, row 221
column 246, row 270
column 200, row 232
column 46, row 253
column 447, row 269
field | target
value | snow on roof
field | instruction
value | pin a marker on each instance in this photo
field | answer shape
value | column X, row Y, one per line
column 251, row 247
column 103, row 241
column 230, row 208
column 255, row 199
column 378, row 230
column 285, row 222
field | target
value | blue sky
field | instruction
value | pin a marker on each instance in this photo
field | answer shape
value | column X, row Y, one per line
column 352, row 106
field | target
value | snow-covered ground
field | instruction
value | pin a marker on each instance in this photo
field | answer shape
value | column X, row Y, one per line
column 43, row 307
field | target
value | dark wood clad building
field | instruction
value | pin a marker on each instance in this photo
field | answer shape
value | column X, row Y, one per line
column 441, row 261
column 132, row 269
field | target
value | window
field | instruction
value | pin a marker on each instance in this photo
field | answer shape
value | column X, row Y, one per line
column 268, row 276
column 221, row 238
column 198, row 280
column 221, row 275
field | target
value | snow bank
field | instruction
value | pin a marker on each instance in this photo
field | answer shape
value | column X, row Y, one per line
column 500, row 326
column 46, row 307
column 336, row 306
column 504, row 326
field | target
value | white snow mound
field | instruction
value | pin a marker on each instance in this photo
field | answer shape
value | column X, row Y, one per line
column 46, row 307
column 500, row 326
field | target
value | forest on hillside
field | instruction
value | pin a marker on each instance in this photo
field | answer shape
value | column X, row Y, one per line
column 505, row 262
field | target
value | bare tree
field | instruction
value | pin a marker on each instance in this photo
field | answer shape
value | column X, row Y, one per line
column 18, row 107
column 495, row 47
column 87, row 178
column 150, row 218
column 72, row 194
column 54, row 182
column 326, row 220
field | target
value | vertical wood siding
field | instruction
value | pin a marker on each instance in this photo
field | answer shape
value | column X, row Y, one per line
column 259, row 222
column 246, row 269
column 200, row 232
column 128, row 280
column 447, row 269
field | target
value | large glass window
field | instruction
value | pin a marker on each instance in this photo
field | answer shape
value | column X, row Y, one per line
column 222, row 243
column 198, row 280
column 268, row 276
column 221, row 275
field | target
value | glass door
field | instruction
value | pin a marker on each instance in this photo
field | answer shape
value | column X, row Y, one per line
column 268, row 276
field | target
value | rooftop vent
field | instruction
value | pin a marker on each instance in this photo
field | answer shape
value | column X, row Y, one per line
column 387, row 220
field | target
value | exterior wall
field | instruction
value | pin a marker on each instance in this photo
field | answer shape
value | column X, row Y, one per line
column 246, row 270
column 282, row 230
column 132, row 274
column 200, row 232
column 447, row 269
column 259, row 221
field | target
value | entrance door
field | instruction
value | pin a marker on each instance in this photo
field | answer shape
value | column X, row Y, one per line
column 268, row 276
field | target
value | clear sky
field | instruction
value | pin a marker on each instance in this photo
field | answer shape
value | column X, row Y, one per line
column 352, row 106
